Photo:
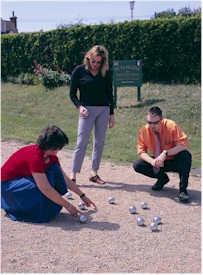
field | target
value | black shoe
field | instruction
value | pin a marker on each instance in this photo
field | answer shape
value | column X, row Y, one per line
column 183, row 196
column 160, row 183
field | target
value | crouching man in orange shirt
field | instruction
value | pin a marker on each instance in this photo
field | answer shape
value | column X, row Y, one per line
column 169, row 146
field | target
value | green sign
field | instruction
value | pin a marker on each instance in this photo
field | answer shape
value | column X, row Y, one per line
column 127, row 73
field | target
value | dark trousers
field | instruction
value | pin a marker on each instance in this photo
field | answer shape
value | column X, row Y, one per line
column 181, row 164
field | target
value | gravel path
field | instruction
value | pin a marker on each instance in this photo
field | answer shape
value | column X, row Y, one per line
column 110, row 241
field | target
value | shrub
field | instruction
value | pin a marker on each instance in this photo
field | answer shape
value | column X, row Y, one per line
column 27, row 79
column 51, row 79
column 170, row 49
column 23, row 79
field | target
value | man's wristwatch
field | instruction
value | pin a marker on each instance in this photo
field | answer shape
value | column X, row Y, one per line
column 165, row 152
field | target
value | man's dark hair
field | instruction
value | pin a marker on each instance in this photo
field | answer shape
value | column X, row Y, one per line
column 52, row 138
column 155, row 111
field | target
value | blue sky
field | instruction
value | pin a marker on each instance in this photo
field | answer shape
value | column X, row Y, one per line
column 47, row 15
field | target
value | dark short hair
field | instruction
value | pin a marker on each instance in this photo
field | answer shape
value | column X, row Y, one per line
column 155, row 111
column 52, row 138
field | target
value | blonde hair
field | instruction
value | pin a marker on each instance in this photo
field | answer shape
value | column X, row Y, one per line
column 97, row 51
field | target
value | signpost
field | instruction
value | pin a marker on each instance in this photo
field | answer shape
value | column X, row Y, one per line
column 125, row 74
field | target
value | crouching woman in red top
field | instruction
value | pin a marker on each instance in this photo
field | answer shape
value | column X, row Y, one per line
column 33, row 182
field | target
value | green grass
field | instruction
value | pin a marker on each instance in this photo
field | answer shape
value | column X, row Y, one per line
column 25, row 110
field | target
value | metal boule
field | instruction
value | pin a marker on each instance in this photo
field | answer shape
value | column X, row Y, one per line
column 144, row 204
column 153, row 226
column 83, row 218
column 132, row 209
column 69, row 195
column 111, row 200
column 157, row 219
column 140, row 221
column 81, row 205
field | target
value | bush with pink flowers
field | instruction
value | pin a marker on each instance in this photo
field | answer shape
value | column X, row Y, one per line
column 49, row 78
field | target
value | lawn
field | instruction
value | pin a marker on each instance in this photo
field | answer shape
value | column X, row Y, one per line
column 25, row 110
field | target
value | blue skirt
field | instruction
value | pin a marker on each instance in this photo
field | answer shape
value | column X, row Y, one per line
column 23, row 201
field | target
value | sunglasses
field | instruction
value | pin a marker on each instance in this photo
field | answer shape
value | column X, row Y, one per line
column 94, row 61
column 154, row 123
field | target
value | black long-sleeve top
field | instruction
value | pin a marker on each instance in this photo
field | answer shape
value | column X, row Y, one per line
column 93, row 90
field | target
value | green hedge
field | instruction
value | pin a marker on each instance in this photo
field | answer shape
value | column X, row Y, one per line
column 170, row 49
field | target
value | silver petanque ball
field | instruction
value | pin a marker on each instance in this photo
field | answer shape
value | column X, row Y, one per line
column 140, row 221
column 144, row 204
column 132, row 209
column 157, row 219
column 153, row 226
column 69, row 195
column 83, row 218
column 111, row 200
column 81, row 205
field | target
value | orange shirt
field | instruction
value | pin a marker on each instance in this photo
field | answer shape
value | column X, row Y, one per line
column 171, row 135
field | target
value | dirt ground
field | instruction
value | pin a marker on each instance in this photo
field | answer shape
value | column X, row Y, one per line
column 110, row 241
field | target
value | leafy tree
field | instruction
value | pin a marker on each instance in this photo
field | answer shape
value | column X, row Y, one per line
column 197, row 11
column 165, row 14
column 170, row 13
column 186, row 12
column 69, row 25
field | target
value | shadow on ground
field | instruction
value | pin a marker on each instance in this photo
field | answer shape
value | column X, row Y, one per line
column 167, row 192
column 68, row 223
column 142, row 104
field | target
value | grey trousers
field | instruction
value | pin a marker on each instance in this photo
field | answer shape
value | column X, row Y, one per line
column 98, row 118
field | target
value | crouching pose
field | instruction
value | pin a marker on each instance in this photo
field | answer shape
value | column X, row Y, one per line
column 169, row 146
column 33, row 181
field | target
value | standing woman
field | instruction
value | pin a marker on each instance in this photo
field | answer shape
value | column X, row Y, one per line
column 95, row 106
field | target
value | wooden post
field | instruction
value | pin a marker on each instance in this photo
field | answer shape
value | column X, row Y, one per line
column 115, row 96
column 138, row 93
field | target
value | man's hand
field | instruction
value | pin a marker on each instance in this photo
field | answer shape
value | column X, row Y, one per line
column 159, row 161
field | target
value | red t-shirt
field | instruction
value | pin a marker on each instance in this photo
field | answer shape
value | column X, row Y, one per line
column 24, row 162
